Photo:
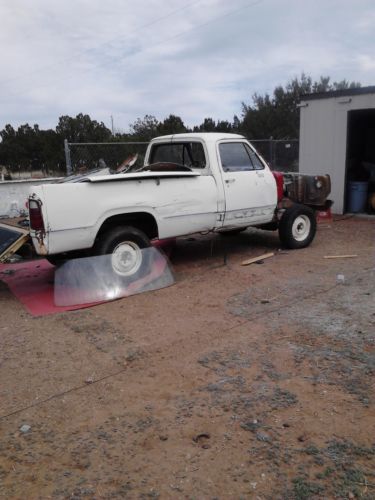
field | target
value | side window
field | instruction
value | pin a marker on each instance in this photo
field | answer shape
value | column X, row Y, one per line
column 257, row 164
column 234, row 157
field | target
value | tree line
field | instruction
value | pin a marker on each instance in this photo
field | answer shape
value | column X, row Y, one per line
column 273, row 115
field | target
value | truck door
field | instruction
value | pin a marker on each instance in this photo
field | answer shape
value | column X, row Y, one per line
column 249, row 186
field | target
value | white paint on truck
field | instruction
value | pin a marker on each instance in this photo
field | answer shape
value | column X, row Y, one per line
column 214, row 197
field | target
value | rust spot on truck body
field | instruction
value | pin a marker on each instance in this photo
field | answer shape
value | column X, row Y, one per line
column 40, row 239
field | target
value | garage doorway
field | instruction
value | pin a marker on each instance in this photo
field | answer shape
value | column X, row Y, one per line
column 360, row 162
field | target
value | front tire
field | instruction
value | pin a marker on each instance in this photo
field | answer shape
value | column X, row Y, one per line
column 297, row 227
column 125, row 245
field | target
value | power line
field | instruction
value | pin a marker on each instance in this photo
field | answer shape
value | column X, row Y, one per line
column 108, row 42
column 226, row 14
column 166, row 40
column 182, row 33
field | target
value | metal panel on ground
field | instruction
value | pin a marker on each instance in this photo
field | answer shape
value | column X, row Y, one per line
column 11, row 239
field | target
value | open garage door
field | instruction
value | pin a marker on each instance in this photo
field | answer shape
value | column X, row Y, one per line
column 360, row 164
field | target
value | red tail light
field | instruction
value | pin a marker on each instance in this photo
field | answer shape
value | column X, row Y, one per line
column 36, row 217
column 279, row 177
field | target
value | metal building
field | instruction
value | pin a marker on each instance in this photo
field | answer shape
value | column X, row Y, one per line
column 337, row 137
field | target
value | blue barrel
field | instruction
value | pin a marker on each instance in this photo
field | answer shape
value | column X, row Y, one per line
column 357, row 196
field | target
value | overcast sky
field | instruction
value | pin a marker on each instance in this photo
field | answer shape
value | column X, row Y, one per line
column 195, row 59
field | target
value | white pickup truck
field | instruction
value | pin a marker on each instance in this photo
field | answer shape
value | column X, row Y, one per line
column 189, row 183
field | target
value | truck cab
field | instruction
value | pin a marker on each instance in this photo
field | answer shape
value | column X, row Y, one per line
column 246, row 192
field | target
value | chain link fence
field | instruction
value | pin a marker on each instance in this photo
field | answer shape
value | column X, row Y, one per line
column 281, row 155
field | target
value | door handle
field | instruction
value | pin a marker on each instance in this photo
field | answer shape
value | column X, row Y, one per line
column 229, row 181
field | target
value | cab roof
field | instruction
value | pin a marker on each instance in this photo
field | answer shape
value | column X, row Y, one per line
column 205, row 136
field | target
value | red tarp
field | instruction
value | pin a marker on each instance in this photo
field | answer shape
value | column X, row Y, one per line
column 32, row 283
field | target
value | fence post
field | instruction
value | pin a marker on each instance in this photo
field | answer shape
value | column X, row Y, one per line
column 67, row 158
column 271, row 151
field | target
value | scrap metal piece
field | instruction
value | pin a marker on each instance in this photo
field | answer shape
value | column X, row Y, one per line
column 97, row 279
column 11, row 239
column 307, row 189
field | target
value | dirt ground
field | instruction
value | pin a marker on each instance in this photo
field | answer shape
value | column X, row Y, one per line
column 236, row 382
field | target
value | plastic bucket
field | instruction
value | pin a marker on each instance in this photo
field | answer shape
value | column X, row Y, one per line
column 357, row 196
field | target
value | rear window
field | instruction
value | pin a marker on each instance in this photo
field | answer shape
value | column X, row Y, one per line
column 189, row 154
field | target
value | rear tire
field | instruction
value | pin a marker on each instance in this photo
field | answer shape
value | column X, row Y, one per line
column 297, row 227
column 125, row 245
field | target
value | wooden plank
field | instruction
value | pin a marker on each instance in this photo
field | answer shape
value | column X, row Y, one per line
column 340, row 256
column 257, row 259
column 11, row 226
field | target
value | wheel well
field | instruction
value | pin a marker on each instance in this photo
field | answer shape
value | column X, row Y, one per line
column 140, row 220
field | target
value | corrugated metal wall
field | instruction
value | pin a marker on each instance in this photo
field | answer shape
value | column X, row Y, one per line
column 323, row 139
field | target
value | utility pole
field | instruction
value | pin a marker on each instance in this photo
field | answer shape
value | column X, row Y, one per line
column 113, row 130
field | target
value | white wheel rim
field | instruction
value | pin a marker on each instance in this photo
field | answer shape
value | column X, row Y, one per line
column 126, row 258
column 301, row 228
